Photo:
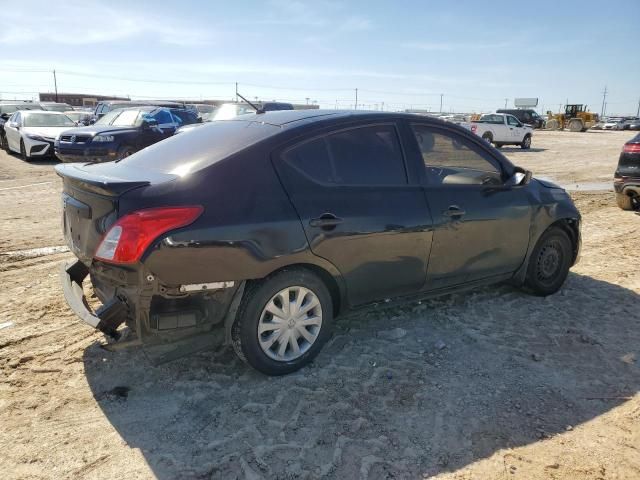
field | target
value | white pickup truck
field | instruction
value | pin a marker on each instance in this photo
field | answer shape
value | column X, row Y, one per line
column 502, row 129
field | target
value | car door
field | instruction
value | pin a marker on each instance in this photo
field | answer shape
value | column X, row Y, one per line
column 481, row 227
column 358, row 209
column 12, row 131
column 515, row 129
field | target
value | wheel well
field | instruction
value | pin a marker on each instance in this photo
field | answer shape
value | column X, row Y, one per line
column 325, row 276
column 487, row 135
column 571, row 227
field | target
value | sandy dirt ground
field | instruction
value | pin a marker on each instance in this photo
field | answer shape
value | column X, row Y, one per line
column 489, row 384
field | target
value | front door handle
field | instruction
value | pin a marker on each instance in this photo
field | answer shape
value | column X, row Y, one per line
column 327, row 221
column 454, row 211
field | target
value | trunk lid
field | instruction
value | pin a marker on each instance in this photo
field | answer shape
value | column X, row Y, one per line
column 90, row 198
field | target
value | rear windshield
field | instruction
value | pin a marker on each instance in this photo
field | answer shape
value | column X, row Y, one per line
column 200, row 147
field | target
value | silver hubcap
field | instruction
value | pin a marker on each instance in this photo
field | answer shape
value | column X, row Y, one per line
column 290, row 323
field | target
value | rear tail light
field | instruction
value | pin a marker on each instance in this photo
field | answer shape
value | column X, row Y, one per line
column 474, row 128
column 631, row 148
column 129, row 237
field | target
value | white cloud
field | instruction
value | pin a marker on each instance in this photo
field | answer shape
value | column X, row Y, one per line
column 451, row 46
column 90, row 22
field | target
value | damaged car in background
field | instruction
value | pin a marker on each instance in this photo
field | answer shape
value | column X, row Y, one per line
column 266, row 227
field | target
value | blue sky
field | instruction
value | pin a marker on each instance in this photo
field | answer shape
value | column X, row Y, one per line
column 402, row 53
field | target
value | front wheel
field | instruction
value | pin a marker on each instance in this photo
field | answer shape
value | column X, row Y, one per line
column 283, row 321
column 549, row 263
column 526, row 142
column 23, row 152
column 625, row 202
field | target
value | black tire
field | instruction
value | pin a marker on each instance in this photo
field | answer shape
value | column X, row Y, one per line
column 244, row 332
column 487, row 137
column 3, row 142
column 124, row 151
column 23, row 152
column 625, row 202
column 549, row 263
column 526, row 142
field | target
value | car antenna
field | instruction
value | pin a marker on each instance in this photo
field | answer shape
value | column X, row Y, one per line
column 258, row 110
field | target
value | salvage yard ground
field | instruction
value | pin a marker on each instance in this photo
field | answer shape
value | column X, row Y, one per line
column 483, row 385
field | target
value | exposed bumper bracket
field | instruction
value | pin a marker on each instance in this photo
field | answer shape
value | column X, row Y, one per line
column 108, row 317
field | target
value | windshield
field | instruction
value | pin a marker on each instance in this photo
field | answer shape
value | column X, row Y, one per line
column 15, row 108
column 120, row 118
column 57, row 107
column 205, row 108
column 47, row 120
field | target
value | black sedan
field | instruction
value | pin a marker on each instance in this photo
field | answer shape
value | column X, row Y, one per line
column 267, row 226
column 121, row 133
column 626, row 180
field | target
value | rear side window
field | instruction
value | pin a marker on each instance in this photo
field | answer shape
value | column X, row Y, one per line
column 360, row 156
column 450, row 159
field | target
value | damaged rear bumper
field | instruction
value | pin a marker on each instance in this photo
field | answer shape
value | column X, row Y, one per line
column 107, row 318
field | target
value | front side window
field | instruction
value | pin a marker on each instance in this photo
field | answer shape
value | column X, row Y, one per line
column 450, row 159
column 513, row 121
column 360, row 156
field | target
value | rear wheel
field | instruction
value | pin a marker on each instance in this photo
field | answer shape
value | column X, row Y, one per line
column 487, row 137
column 553, row 124
column 549, row 262
column 526, row 142
column 3, row 142
column 625, row 202
column 283, row 321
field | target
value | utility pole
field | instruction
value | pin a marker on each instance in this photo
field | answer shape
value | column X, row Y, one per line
column 604, row 97
column 307, row 98
column 441, row 95
column 505, row 102
column 55, row 84
column 638, row 111
column 382, row 108
column 356, row 99
column 236, row 92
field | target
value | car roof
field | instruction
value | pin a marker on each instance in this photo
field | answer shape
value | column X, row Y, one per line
column 49, row 112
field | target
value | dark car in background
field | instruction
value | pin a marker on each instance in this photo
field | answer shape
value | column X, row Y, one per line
column 527, row 116
column 104, row 107
column 6, row 110
column 626, row 180
column 121, row 133
column 263, row 228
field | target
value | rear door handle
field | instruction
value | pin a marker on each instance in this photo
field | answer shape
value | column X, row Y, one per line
column 454, row 211
column 326, row 221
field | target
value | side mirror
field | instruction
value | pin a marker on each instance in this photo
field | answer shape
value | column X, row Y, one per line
column 149, row 123
column 14, row 125
column 520, row 177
